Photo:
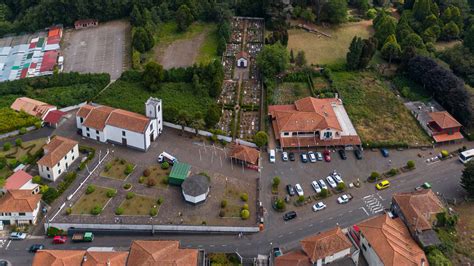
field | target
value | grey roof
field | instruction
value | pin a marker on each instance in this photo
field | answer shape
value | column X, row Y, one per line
column 195, row 185
column 428, row 238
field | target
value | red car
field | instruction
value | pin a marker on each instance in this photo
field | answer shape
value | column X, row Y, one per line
column 59, row 240
column 326, row 155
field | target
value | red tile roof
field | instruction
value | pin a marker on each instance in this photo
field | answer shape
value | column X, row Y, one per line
column 242, row 54
column 244, row 153
column 55, row 150
column 54, row 116
column 163, row 253
column 54, row 32
column 105, row 258
column 325, row 244
column 58, row 257
column 293, row 258
column 31, row 106
column 447, row 137
column 49, row 61
column 444, row 120
column 19, row 201
column 289, row 142
column 17, row 180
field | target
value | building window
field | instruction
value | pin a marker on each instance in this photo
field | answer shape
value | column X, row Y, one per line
column 58, row 164
column 151, row 126
column 67, row 165
column 81, row 119
column 47, row 168
column 59, row 171
column 73, row 157
column 286, row 133
column 159, row 108
column 65, row 157
column 22, row 214
column 364, row 247
column 88, row 135
column 97, row 132
column 49, row 176
column 87, row 128
column 123, row 133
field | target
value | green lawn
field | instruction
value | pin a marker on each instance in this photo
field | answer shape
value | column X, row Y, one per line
column 159, row 175
column 289, row 92
column 88, row 201
column 168, row 32
column 116, row 169
column 208, row 50
column 411, row 90
column 379, row 117
column 138, row 205
column 21, row 154
column 132, row 97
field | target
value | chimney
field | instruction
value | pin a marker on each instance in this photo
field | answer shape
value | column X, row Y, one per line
column 84, row 259
column 49, row 140
column 422, row 262
column 108, row 262
column 432, row 109
column 336, row 95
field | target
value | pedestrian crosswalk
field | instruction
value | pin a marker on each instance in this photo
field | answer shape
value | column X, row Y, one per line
column 373, row 204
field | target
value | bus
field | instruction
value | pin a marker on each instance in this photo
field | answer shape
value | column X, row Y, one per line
column 466, row 156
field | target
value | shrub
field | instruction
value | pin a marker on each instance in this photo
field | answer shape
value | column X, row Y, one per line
column 146, row 172
column 127, row 186
column 411, row 164
column 119, row 211
column 324, row 193
column 245, row 206
column 444, row 153
column 23, row 131
column 130, row 195
column 276, row 181
column 7, row 146
column 96, row 210
column 90, row 189
column 111, row 193
column 53, row 231
column 245, row 214
column 18, row 142
column 141, row 179
column 151, row 182
column 153, row 211
column 122, row 161
column 392, row 172
column 341, row 186
column 108, row 166
column 373, row 176
column 221, row 213
column 43, row 188
column 371, row 13
column 280, row 204
column 165, row 165
column 128, row 169
column 164, row 180
column 223, row 203
column 244, row 196
column 38, row 125
column 160, row 200
column 68, row 211
column 36, row 179
column 301, row 199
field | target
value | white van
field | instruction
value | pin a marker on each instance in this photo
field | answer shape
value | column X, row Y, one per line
column 272, row 156
column 166, row 157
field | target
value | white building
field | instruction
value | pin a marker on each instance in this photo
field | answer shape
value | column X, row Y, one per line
column 19, row 207
column 59, row 154
column 195, row 189
column 107, row 124
column 242, row 59
column 21, row 180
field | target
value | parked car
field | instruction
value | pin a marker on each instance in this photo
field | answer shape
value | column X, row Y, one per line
column 322, row 184
column 83, row 237
column 17, row 236
column 342, row 153
column 384, row 152
column 284, row 156
column 299, row 190
column 425, row 185
column 289, row 215
column 344, row 198
column 337, row 178
column 331, row 182
column 292, row 156
column 59, row 240
column 277, row 252
column 316, row 187
column 166, row 157
column 312, row 157
column 304, row 157
column 319, row 156
column 291, row 190
column 319, row 206
column 382, row 185
column 358, row 154
column 3, row 263
column 36, row 247
column 327, row 156
column 272, row 156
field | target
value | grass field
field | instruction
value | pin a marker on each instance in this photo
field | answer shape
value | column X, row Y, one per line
column 159, row 175
column 12, row 120
column 324, row 50
column 288, row 92
column 132, row 97
column 116, row 169
column 88, row 201
column 20, row 154
column 464, row 248
column 411, row 90
column 379, row 117
column 138, row 205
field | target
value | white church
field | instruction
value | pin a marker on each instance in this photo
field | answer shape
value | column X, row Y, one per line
column 107, row 124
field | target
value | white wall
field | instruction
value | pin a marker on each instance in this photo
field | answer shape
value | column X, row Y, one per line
column 61, row 167
column 195, row 199
column 93, row 134
column 370, row 256
column 134, row 139
column 16, row 216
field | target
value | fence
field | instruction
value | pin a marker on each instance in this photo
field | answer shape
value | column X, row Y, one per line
column 73, row 107
column 16, row 132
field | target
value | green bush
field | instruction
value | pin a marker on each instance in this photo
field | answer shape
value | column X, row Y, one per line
column 23, row 131
column 165, row 165
column 160, row 200
column 108, row 166
column 53, row 231
column 371, row 13
column 245, row 206
column 276, row 181
column 164, row 180
column 36, row 179
column 244, row 197
column 18, row 142
column 221, row 213
column 341, row 186
column 130, row 195
column 146, row 172
column 301, row 199
column 393, row 172
column 68, row 211
column 50, row 195
column 245, row 214
column 411, row 164
column 90, row 189
column 111, row 193
column 141, row 179
column 444, row 153
column 324, row 193
column 223, row 203
column 128, row 169
column 37, row 125
column 119, row 211
column 373, row 176
column 153, row 212
column 280, row 204
column 127, row 186
column 7, row 146
column 96, row 210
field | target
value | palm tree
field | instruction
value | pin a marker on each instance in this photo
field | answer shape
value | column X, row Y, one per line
column 183, row 119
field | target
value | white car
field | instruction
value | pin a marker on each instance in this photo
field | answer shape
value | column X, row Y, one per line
column 322, row 184
column 319, row 156
column 299, row 190
column 284, row 156
column 272, row 156
column 337, row 178
column 312, row 157
column 319, row 206
column 344, row 199
column 331, row 182
column 316, row 187
column 17, row 236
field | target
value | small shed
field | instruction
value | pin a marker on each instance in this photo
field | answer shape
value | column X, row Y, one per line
column 245, row 154
column 179, row 173
column 195, row 188
column 242, row 59
column 54, row 118
column 85, row 23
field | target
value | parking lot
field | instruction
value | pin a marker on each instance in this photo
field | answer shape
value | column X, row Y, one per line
column 97, row 50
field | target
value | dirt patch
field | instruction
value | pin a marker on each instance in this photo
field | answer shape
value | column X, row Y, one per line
column 180, row 53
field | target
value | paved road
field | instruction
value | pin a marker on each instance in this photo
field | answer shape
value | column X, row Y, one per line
column 444, row 177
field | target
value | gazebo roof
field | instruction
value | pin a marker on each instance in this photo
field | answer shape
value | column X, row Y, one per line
column 195, row 185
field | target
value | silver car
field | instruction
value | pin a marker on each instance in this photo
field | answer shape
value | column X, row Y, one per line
column 299, row 190
column 337, row 178
column 322, row 184
column 331, row 182
column 316, row 187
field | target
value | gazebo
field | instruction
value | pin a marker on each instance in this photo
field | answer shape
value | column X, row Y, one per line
column 179, row 173
column 195, row 188
column 245, row 154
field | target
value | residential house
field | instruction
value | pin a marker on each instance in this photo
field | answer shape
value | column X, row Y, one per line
column 387, row 241
column 59, row 154
column 21, row 180
column 32, row 107
column 19, row 207
column 444, row 128
column 418, row 211
column 242, row 59
column 312, row 122
column 323, row 248
column 107, row 124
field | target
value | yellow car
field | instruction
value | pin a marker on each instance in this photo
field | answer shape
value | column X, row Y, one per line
column 383, row 185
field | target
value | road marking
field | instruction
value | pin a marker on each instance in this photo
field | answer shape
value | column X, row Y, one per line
column 330, row 218
column 380, row 196
column 290, row 232
column 322, row 221
column 224, row 245
column 310, row 225
column 350, row 211
column 280, row 236
column 211, row 246
column 365, row 211
column 8, row 244
column 369, row 196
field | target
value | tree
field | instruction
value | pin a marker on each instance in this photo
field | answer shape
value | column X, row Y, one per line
column 300, row 59
column 421, row 9
column 50, row 195
column 413, row 40
column 221, row 45
column 90, row 189
column 184, row 17
column 336, row 11
column 469, row 39
column 307, row 15
column 280, row 204
column 136, row 18
column 368, row 51
column 18, row 142
column 436, row 258
column 276, row 181
column 450, row 31
column 213, row 115
column 7, row 146
column 244, row 214
column 292, row 57
column 354, row 54
column 260, row 139
column 153, row 75
column 273, row 59
column 391, row 49
column 324, row 193
column 183, row 119
column 142, row 40
column 411, row 164
column 403, row 27
column 198, row 123
column 384, row 26
column 467, row 178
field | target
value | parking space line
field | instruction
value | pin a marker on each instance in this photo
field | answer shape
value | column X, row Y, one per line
column 365, row 211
